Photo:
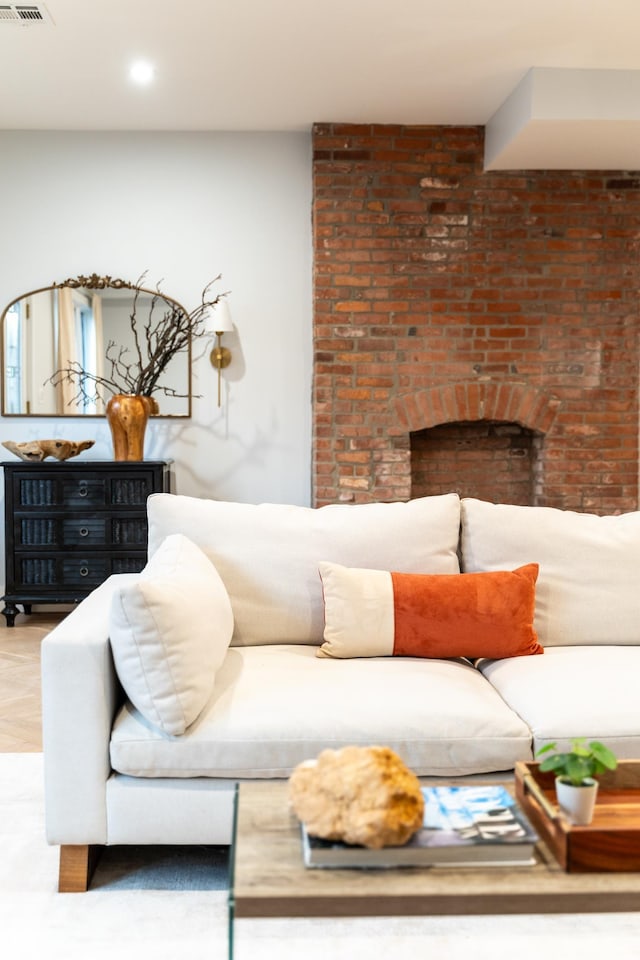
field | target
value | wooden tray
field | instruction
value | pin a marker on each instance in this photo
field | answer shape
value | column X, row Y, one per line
column 611, row 842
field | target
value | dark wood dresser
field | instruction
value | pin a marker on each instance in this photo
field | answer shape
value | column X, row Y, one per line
column 69, row 525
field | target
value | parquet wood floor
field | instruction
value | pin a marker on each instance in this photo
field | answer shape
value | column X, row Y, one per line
column 20, row 708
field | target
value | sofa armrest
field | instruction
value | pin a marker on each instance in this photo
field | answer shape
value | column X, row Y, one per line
column 80, row 694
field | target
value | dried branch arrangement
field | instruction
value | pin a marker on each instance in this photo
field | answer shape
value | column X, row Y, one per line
column 166, row 331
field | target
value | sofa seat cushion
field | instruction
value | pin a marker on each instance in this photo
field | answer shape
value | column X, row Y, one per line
column 587, row 590
column 275, row 706
column 586, row 691
column 267, row 554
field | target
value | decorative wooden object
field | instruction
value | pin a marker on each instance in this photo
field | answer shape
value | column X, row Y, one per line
column 611, row 842
column 127, row 415
column 37, row 450
column 69, row 525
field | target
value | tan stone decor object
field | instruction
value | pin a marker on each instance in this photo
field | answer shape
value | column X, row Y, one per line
column 360, row 795
column 37, row 450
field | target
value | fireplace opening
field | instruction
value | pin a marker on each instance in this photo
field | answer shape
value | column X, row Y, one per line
column 487, row 459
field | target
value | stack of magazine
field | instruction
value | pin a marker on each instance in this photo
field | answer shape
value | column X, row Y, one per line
column 462, row 826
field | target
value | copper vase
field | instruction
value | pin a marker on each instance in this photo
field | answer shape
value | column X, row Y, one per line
column 127, row 415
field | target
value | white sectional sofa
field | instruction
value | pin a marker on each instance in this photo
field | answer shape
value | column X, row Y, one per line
column 219, row 676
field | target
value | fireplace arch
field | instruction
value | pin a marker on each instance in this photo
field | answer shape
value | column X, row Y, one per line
column 460, row 402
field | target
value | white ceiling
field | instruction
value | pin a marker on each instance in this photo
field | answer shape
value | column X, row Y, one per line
column 283, row 64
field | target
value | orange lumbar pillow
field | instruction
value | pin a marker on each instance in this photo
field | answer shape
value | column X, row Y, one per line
column 374, row 613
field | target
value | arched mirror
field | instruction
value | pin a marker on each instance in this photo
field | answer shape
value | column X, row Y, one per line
column 87, row 323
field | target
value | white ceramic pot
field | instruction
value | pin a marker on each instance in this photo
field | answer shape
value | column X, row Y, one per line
column 577, row 803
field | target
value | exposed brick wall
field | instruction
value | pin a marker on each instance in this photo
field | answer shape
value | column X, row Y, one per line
column 444, row 294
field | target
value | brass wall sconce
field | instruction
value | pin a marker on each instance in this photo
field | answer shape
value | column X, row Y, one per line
column 221, row 323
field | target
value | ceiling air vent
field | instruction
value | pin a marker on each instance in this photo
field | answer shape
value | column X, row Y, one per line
column 24, row 13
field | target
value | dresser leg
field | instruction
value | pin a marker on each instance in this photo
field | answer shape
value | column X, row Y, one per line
column 10, row 612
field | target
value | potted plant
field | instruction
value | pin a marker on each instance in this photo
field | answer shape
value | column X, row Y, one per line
column 576, row 771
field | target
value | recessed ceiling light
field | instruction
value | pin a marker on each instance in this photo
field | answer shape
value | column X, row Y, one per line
column 142, row 72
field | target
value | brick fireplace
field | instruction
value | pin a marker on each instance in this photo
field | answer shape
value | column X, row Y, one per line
column 473, row 331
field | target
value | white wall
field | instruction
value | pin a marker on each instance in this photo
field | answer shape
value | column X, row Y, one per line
column 184, row 208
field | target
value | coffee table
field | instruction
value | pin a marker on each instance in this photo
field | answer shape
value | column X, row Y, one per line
column 269, row 879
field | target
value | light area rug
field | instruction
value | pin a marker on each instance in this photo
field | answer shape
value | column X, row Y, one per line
column 159, row 904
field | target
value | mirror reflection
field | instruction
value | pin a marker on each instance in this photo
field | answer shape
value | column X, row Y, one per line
column 73, row 323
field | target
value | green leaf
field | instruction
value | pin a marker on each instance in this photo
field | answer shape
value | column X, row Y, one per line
column 578, row 747
column 556, row 763
column 603, row 755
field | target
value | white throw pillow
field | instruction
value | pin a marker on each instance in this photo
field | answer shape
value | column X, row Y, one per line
column 170, row 630
column 267, row 554
column 588, row 589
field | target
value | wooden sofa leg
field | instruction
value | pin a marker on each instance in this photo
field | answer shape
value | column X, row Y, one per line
column 77, row 863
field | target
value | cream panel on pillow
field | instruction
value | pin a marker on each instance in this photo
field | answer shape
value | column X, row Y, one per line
column 170, row 630
column 359, row 612
column 268, row 554
column 588, row 589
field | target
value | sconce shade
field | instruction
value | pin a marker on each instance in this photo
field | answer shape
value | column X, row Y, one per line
column 219, row 318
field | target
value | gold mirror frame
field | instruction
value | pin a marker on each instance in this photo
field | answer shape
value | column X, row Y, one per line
column 93, row 282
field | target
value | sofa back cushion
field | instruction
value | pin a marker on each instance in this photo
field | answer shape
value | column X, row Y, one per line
column 267, row 554
column 588, row 589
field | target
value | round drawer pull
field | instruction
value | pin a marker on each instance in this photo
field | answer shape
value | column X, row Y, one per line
column 83, row 490
column 84, row 571
column 84, row 531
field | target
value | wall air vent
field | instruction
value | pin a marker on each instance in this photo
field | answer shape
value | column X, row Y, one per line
column 25, row 14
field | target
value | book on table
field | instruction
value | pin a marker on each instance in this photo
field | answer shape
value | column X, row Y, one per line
column 470, row 825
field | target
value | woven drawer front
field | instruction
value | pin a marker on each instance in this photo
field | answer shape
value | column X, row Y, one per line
column 37, row 532
column 37, row 492
column 129, row 532
column 131, row 491
column 127, row 564
column 38, row 571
